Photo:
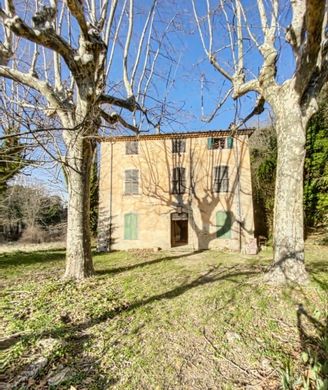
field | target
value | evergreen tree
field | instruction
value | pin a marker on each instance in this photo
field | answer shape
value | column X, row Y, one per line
column 316, row 169
column 263, row 164
column 12, row 160
column 264, row 157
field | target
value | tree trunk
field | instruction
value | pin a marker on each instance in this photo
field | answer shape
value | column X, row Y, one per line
column 78, row 248
column 288, row 230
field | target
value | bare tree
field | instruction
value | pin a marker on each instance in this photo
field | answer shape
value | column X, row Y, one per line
column 252, row 48
column 66, row 54
column 28, row 208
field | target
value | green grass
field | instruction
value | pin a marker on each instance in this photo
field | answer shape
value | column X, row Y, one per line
column 165, row 321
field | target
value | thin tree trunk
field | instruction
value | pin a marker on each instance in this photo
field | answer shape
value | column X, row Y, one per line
column 288, row 229
column 78, row 250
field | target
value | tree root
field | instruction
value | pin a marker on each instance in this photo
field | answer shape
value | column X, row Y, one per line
column 288, row 271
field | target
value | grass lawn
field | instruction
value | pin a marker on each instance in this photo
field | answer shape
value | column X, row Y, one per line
column 162, row 321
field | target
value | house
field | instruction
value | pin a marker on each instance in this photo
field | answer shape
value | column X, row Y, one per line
column 168, row 190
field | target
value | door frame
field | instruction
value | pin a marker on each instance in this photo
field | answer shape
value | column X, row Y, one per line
column 175, row 217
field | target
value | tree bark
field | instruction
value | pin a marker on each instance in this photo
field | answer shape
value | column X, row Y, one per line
column 288, row 230
column 78, row 248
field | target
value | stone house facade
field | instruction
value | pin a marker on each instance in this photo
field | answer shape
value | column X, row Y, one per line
column 169, row 190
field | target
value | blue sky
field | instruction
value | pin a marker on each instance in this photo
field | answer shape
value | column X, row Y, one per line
column 191, row 65
column 194, row 66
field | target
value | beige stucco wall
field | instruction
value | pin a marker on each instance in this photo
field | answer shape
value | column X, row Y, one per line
column 154, row 203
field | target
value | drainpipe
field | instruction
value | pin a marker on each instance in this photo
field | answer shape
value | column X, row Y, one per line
column 111, row 198
column 190, row 197
column 236, row 155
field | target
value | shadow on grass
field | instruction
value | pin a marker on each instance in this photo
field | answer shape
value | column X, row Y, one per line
column 317, row 266
column 323, row 284
column 314, row 344
column 83, row 369
column 215, row 274
column 28, row 258
column 117, row 270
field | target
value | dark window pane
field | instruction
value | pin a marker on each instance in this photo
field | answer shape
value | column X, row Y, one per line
column 179, row 180
column 131, row 147
column 221, row 179
column 178, row 146
column 217, row 143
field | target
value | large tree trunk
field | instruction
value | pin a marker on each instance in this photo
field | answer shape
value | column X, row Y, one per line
column 288, row 230
column 78, row 250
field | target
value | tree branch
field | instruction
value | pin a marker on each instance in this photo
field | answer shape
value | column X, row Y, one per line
column 257, row 110
column 76, row 8
column 141, row 42
column 308, row 56
column 110, row 20
column 45, row 37
column 116, row 118
column 243, row 88
column 126, row 80
column 31, row 81
column 268, row 70
column 210, row 118
column 115, row 37
column 129, row 104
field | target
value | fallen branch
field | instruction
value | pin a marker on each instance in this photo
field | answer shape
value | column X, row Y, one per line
column 7, row 341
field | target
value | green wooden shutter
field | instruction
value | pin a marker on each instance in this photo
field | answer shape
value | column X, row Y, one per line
column 229, row 142
column 223, row 223
column 130, row 226
column 210, row 142
column 127, row 227
column 134, row 226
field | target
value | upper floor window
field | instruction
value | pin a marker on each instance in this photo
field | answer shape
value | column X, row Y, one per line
column 131, row 147
column 221, row 179
column 179, row 180
column 220, row 143
column 178, row 146
column 131, row 181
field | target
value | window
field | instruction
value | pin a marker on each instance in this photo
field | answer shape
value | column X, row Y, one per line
column 178, row 146
column 223, row 223
column 179, row 180
column 131, row 147
column 221, row 179
column 131, row 181
column 131, row 226
column 220, row 143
